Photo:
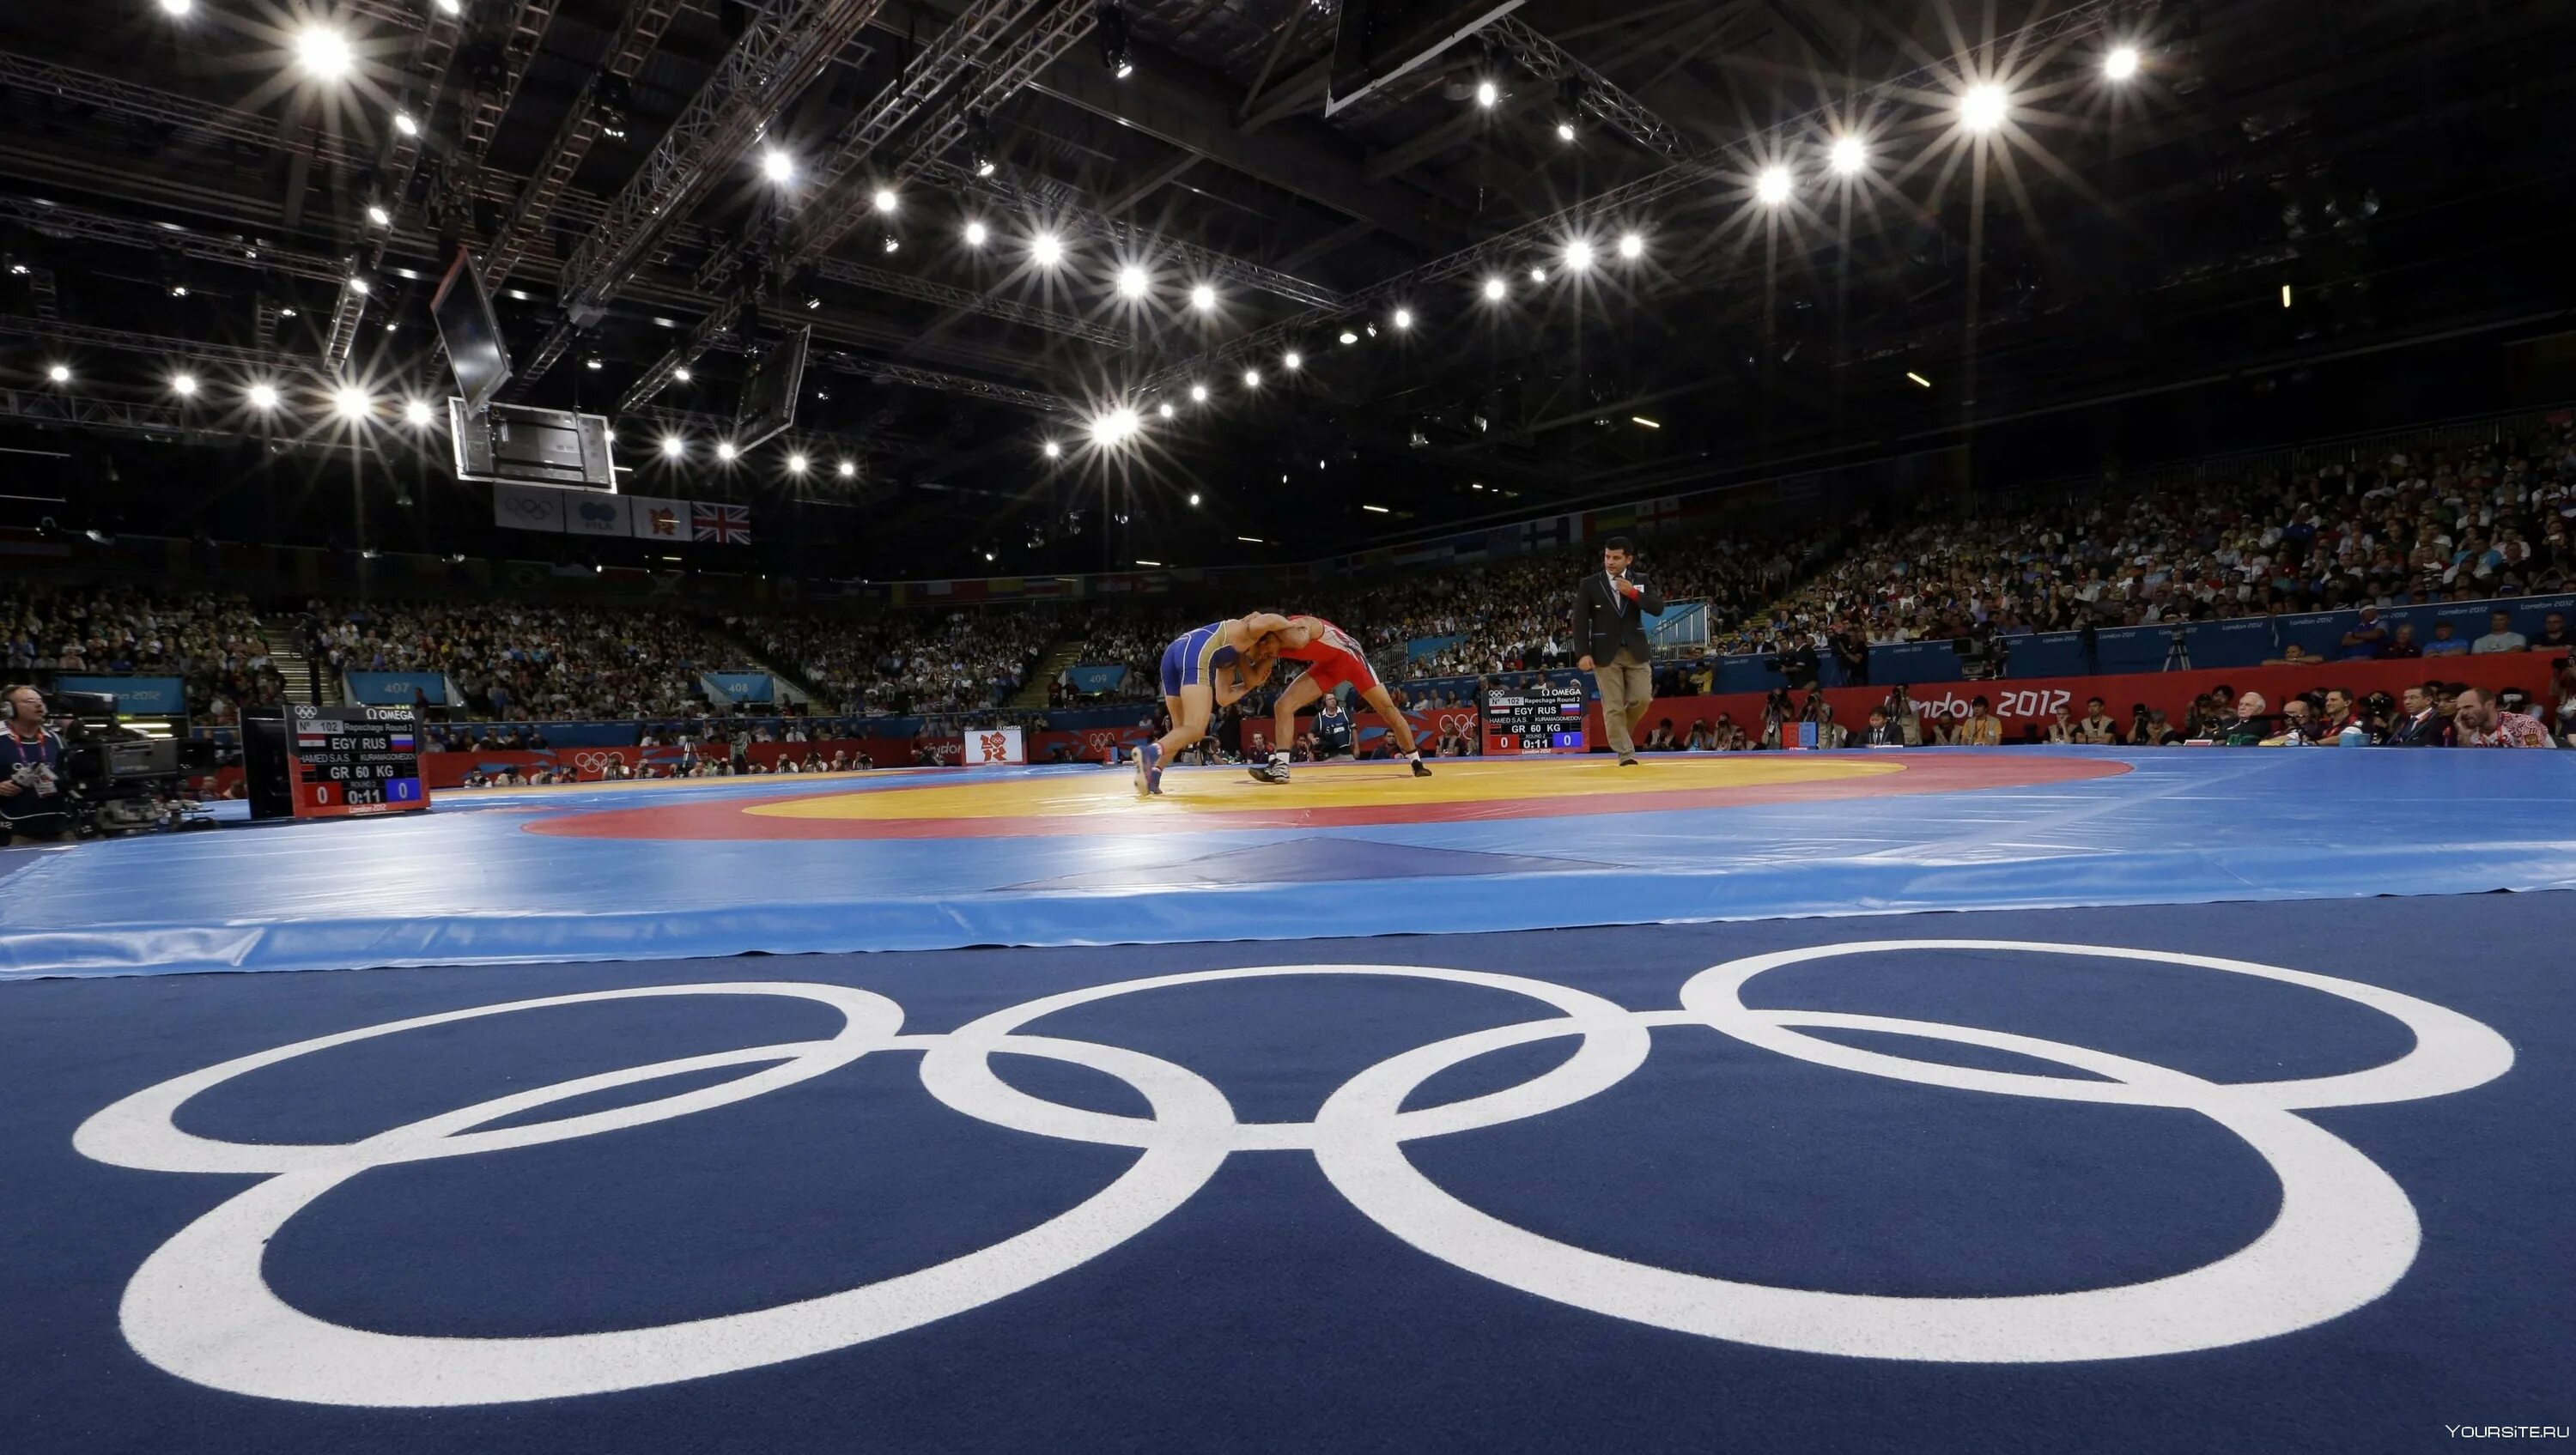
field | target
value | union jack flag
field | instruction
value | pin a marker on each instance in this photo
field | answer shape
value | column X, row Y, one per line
column 728, row 525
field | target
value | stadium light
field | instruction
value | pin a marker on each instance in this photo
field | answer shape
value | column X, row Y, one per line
column 849, row 469
column 353, row 402
column 1198, row 394
column 1194, row 499
column 404, row 124
column 2121, row 63
column 1203, row 298
column 1632, row 247
column 1772, row 186
column 323, row 52
column 1917, row 378
column 177, row 7
column 1488, row 94
column 796, row 464
column 777, row 166
column 360, row 287
column 1538, row 275
column 1350, row 336
column 975, row 234
column 1293, row 360
column 1164, row 409
column 1983, row 108
column 1495, row 288
column 1133, row 281
column 1578, row 255
column 673, row 447
column 1378, row 509
column 681, row 374
column 418, row 414
column 885, row 199
column 263, row 396
column 1046, row 250
column 1403, row 318
column 183, row 385
column 1849, row 155
column 1050, row 449
column 1114, row 428
column 1565, row 131
column 725, row 451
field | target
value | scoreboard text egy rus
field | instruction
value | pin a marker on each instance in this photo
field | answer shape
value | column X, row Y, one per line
column 348, row 760
column 1538, row 717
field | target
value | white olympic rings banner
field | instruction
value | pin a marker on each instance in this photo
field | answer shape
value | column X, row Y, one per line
column 2345, row 1232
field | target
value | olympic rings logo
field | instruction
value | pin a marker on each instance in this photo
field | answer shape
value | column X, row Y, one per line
column 594, row 762
column 199, row 1307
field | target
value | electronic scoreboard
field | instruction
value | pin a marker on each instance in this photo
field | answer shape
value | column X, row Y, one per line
column 335, row 762
column 1535, row 717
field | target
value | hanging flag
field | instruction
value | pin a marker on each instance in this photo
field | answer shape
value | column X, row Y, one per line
column 654, row 518
column 528, row 507
column 596, row 515
column 726, row 525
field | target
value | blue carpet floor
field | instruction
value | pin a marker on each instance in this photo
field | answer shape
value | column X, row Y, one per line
column 1276, row 1212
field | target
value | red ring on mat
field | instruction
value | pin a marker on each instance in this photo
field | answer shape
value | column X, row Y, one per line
column 726, row 819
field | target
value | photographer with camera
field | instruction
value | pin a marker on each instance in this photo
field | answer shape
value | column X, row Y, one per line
column 31, row 792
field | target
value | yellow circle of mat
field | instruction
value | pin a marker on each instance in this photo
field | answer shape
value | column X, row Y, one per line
column 1350, row 785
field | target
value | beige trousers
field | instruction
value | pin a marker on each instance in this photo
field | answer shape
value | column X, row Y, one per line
column 1627, row 692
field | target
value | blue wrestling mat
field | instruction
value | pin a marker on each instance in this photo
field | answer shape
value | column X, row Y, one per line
column 1069, row 856
column 2264, row 1177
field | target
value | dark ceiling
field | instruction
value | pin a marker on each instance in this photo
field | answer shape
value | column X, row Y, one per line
column 174, row 195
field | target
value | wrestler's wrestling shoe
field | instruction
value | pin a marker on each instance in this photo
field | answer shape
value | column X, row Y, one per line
column 1421, row 769
column 1149, row 768
column 1274, row 771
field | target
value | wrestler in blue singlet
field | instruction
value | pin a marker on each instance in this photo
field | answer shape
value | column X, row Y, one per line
column 1194, row 657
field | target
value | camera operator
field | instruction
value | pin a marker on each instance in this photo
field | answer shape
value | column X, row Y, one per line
column 31, row 794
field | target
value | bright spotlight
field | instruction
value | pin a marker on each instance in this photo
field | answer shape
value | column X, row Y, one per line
column 1133, row 281
column 885, row 199
column 1403, row 318
column 1632, row 247
column 777, row 166
column 1114, row 428
column 796, row 464
column 359, row 287
column 975, row 234
column 1495, row 289
column 1203, row 298
column 404, row 124
column 1849, row 155
column 1578, row 255
column 177, row 7
column 1194, row 500
column 1982, row 109
column 322, row 52
column 1251, row 378
column 1046, row 250
column 2121, row 63
column 452, row 7
column 418, row 414
column 1772, row 186
column 1198, row 394
column 1487, row 94
column 183, row 385
column 725, row 451
column 1164, row 409
column 1292, row 359
column 1538, row 275
column 680, row 374
column 1349, row 337
column 1050, row 449
column 352, row 402
column 849, row 469
column 263, row 396
column 673, row 447
column 1565, row 131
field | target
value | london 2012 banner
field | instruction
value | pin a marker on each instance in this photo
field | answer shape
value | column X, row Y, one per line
column 640, row 517
column 992, row 746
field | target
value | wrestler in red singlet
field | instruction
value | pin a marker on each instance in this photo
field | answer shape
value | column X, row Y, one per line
column 1332, row 657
